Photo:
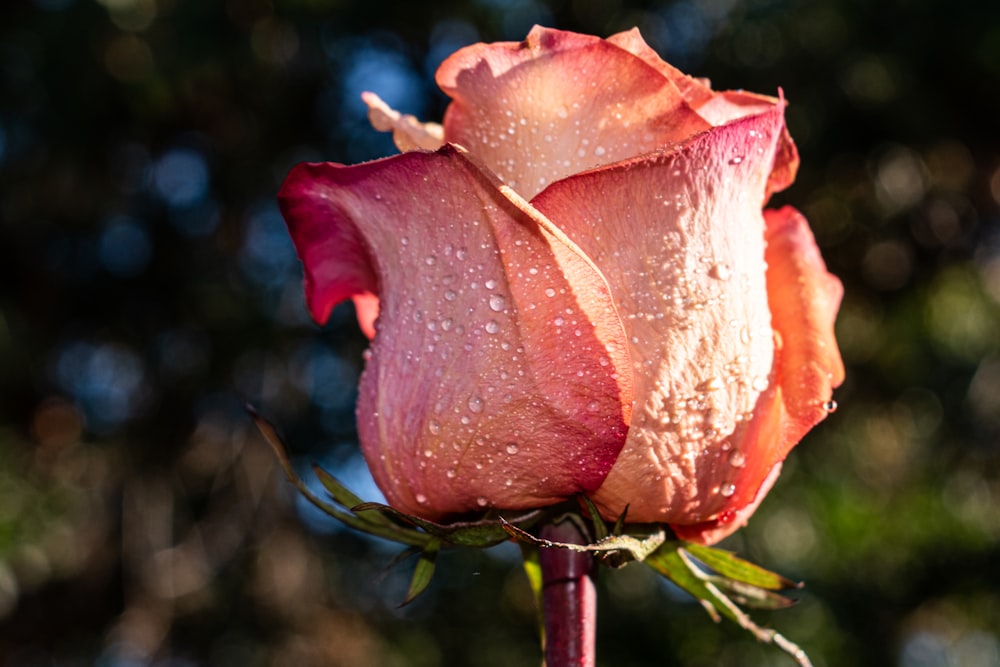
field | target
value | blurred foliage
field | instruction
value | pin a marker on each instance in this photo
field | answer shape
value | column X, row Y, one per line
column 147, row 288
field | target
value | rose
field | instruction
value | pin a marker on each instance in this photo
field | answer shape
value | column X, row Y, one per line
column 576, row 289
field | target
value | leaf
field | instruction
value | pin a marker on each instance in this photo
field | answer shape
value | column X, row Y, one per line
column 732, row 567
column 423, row 572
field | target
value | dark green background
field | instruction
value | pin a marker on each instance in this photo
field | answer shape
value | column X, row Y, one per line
column 147, row 289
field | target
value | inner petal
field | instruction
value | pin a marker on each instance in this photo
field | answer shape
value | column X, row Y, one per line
column 557, row 104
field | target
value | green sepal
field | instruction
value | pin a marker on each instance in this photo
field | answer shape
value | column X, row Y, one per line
column 345, row 496
column 423, row 572
column 673, row 561
column 600, row 528
column 637, row 548
column 482, row 533
column 732, row 567
column 377, row 526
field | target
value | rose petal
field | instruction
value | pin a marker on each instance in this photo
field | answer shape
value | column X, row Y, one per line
column 803, row 298
column 408, row 133
column 728, row 106
column 718, row 108
column 499, row 371
column 695, row 91
column 557, row 104
column 680, row 237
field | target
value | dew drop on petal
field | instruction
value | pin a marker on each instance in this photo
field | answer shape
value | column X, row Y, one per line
column 760, row 383
column 492, row 327
column 497, row 303
column 737, row 459
column 421, row 499
column 434, row 427
column 549, row 292
column 512, row 448
column 830, row 406
column 721, row 272
column 475, row 404
column 482, row 502
column 728, row 490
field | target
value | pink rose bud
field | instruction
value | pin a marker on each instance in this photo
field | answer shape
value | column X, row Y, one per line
column 571, row 287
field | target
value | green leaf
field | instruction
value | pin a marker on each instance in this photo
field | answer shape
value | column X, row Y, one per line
column 732, row 567
column 423, row 572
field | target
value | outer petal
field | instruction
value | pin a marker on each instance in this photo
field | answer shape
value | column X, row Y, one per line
column 804, row 299
column 498, row 374
column 557, row 104
column 680, row 237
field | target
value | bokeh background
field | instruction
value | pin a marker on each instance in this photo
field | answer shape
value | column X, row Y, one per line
column 147, row 289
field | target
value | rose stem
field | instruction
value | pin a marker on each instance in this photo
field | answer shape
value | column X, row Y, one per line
column 569, row 598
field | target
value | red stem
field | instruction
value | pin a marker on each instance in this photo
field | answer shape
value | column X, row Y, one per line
column 569, row 599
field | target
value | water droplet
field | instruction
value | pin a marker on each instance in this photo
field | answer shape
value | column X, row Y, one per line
column 728, row 490
column 497, row 303
column 549, row 292
column 737, row 459
column 830, row 406
column 482, row 502
column 452, row 473
column 434, row 427
column 599, row 151
column 720, row 272
column 461, row 253
column 512, row 448
column 450, row 295
column 558, row 321
column 736, row 159
column 490, row 284
column 760, row 383
column 404, row 240
column 492, row 327
column 421, row 499
column 430, row 260
column 446, row 324
column 475, row 404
